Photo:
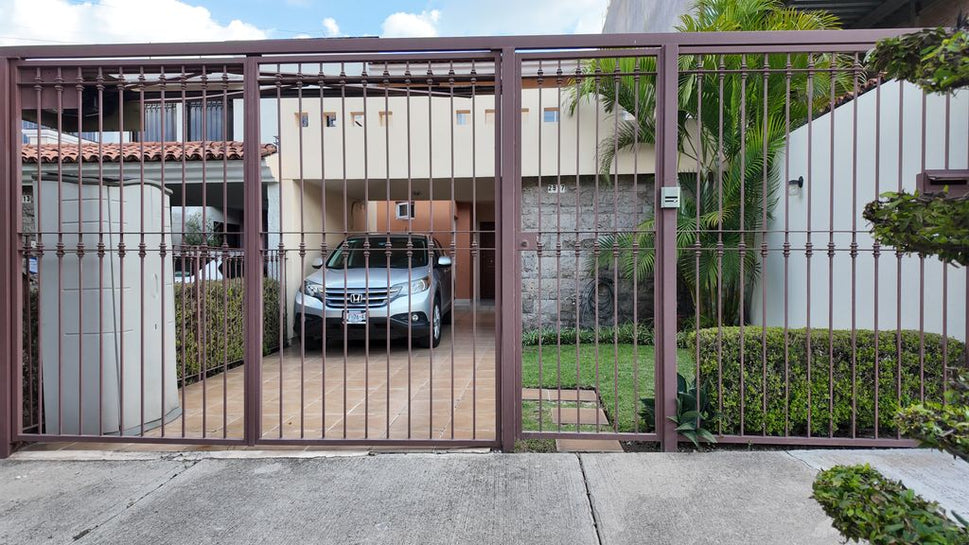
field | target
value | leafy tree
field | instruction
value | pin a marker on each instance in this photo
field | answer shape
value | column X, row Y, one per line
column 732, row 121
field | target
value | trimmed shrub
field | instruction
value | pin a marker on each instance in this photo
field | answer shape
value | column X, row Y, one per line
column 866, row 505
column 624, row 334
column 943, row 426
column 220, row 341
column 830, row 373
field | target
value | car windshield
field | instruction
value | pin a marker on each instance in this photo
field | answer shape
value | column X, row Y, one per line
column 350, row 254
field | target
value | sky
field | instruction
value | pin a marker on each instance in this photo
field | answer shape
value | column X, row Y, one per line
column 134, row 21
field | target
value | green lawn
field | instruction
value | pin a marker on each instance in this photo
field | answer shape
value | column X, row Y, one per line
column 614, row 361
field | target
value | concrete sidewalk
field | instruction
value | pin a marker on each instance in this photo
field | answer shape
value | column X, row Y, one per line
column 250, row 497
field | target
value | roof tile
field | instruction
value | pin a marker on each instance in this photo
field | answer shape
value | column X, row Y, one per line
column 135, row 151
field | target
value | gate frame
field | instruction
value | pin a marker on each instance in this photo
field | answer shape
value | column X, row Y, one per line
column 507, row 51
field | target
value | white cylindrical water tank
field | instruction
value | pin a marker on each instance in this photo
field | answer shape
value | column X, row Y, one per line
column 107, row 324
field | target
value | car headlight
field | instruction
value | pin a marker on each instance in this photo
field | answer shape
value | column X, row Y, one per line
column 312, row 289
column 413, row 287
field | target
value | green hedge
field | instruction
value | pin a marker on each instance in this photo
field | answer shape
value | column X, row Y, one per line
column 625, row 334
column 223, row 334
column 186, row 337
column 865, row 505
column 839, row 368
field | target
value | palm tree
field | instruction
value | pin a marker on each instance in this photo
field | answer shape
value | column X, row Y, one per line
column 732, row 119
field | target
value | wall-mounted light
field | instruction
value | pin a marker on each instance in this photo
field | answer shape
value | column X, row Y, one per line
column 793, row 186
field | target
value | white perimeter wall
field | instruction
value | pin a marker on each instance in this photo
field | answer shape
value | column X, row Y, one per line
column 834, row 292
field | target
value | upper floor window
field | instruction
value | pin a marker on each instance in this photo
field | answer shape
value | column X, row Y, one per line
column 550, row 115
column 489, row 117
column 329, row 119
column 302, row 119
column 462, row 117
column 385, row 117
column 356, row 118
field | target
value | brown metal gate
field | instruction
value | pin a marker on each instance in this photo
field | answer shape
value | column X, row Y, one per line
column 253, row 246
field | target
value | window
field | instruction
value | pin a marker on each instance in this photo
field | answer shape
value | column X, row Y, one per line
column 329, row 119
column 462, row 117
column 356, row 118
column 385, row 117
column 550, row 115
column 404, row 210
column 524, row 115
column 302, row 119
column 489, row 117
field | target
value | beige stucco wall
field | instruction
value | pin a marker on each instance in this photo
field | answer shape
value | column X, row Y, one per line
column 425, row 131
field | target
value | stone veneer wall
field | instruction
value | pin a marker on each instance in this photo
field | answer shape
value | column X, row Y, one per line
column 549, row 296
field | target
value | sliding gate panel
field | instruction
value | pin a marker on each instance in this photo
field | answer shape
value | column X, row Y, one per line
column 587, row 244
column 130, row 251
column 380, row 247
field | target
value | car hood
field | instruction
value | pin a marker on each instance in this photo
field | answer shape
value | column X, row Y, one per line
column 362, row 278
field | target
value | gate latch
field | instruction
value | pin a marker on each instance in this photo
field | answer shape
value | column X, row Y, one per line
column 670, row 197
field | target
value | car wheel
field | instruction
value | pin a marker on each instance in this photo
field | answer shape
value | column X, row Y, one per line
column 437, row 323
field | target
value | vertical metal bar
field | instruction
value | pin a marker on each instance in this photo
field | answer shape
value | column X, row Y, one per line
column 475, row 237
column 719, row 183
column 856, row 67
column 252, row 224
column 831, row 151
column 898, row 257
column 808, row 245
column 302, row 251
column 282, row 244
column 227, row 263
column 595, row 242
column 559, row 81
column 876, row 247
column 615, row 254
column 508, row 327
column 452, row 210
column 323, row 246
column 539, row 82
column 577, row 246
column 388, row 253
column 8, row 425
column 430, row 197
column 639, row 66
column 162, row 249
column 183, row 78
column 763, row 248
column 787, row 244
column 79, row 251
column 665, row 267
column 742, row 243
column 922, row 271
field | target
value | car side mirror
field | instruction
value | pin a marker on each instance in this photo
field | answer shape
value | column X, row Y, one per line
column 444, row 261
column 317, row 263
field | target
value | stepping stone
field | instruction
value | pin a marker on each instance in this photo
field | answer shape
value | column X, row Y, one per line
column 587, row 445
column 570, row 395
column 531, row 394
column 569, row 415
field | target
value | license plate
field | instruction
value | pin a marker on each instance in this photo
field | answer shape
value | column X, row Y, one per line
column 355, row 317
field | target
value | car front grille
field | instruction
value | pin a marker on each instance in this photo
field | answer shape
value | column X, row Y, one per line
column 356, row 297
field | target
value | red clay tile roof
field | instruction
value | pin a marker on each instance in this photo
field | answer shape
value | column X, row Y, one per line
column 132, row 151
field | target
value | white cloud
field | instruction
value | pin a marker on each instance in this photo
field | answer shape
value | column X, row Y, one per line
column 411, row 25
column 107, row 21
column 330, row 28
column 517, row 17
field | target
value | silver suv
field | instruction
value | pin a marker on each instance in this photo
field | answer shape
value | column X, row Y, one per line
column 386, row 288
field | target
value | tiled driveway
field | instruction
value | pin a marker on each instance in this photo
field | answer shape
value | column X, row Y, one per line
column 444, row 393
